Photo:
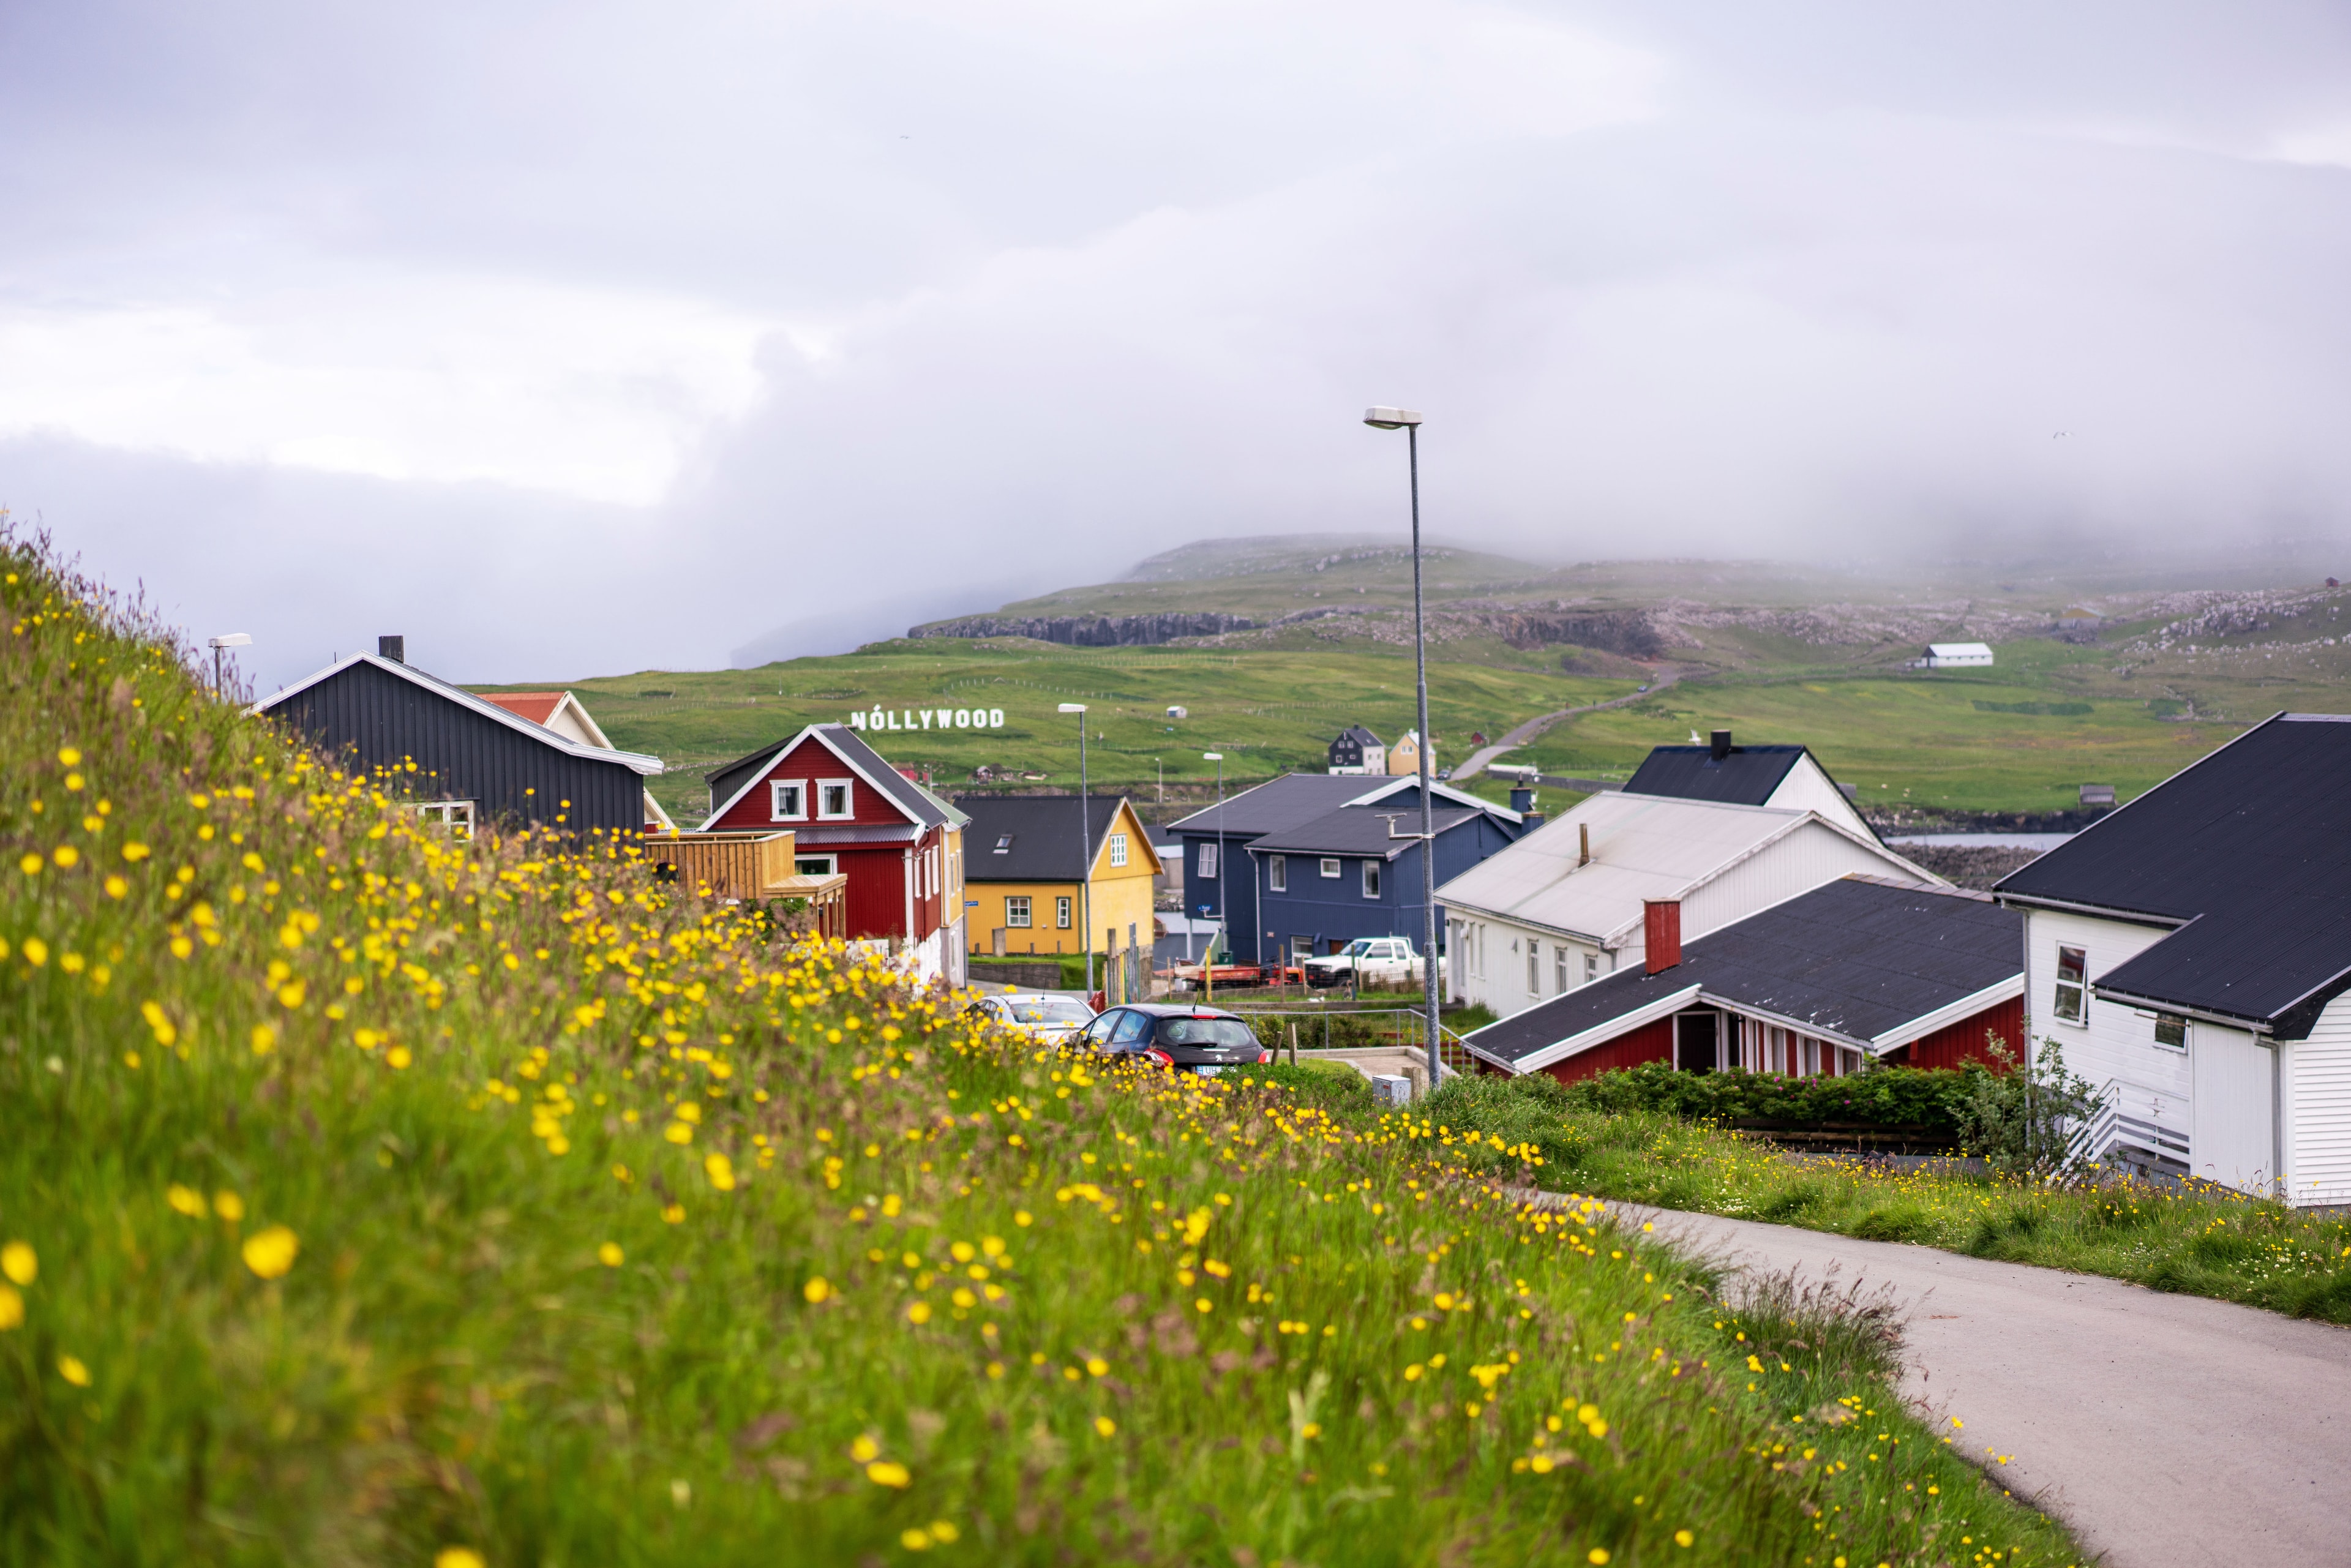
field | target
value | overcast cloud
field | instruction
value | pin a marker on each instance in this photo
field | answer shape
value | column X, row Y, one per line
column 571, row 339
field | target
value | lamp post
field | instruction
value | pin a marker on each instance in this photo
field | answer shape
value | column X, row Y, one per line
column 1408, row 420
column 1086, row 848
column 1209, row 960
column 224, row 641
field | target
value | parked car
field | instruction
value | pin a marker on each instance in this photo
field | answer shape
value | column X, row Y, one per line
column 1188, row 1039
column 1380, row 960
column 1049, row 1018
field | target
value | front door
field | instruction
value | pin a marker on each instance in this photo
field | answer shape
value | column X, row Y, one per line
column 1694, row 1042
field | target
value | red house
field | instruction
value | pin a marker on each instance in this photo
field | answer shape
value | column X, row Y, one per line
column 850, row 812
column 1859, row 971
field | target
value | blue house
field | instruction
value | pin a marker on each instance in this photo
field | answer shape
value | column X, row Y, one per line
column 1303, row 863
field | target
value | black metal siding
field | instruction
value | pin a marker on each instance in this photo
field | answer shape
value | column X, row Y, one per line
column 462, row 755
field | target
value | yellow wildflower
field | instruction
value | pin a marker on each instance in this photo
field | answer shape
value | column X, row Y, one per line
column 12, row 1309
column 71, row 1369
column 608, row 1254
column 228, row 1205
column 888, row 1473
column 186, row 1200
column 457, row 1557
column 269, row 1253
column 720, row 1170
column 65, row 855
column 817, row 1290
column 18, row 1262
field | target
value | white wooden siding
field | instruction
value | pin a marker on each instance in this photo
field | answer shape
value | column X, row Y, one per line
column 1808, row 789
column 2318, row 1169
column 2114, row 1048
column 2232, row 1137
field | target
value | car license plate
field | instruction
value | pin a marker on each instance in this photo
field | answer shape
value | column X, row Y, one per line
column 1207, row 1072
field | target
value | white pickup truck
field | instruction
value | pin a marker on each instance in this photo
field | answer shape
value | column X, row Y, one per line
column 1375, row 960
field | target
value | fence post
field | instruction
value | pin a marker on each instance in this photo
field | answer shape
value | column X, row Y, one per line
column 1294, row 1042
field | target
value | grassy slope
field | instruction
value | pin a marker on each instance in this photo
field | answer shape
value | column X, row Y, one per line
column 2201, row 1242
column 374, row 1198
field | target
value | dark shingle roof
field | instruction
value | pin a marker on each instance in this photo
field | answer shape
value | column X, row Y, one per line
column 917, row 802
column 1360, row 830
column 2247, row 853
column 1043, row 830
column 1856, row 958
column 1357, row 732
column 1277, row 804
column 1745, row 778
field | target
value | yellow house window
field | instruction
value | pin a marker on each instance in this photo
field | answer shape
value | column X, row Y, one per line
column 1118, row 848
column 1062, row 913
column 1016, row 911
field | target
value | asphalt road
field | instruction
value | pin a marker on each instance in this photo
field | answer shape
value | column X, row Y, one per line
column 2162, row 1429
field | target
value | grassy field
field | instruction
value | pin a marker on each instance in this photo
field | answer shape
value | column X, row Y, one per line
column 2203, row 1241
column 372, row 1197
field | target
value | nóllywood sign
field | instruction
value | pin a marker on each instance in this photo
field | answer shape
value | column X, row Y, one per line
column 929, row 718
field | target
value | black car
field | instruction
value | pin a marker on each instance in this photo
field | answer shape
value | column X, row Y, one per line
column 1188, row 1039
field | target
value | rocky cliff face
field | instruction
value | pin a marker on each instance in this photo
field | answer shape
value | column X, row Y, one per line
column 1089, row 631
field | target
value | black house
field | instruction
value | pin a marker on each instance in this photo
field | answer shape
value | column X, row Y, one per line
column 476, row 762
column 1357, row 749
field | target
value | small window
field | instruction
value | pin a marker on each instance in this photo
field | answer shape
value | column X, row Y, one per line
column 1277, row 873
column 1003, row 844
column 2172, row 1031
column 788, row 800
column 1591, row 967
column 1558, row 969
column 1016, row 911
column 834, row 799
column 2073, row 988
column 1118, row 848
column 1208, row 861
column 815, row 865
column 1330, row 867
column 454, row 817
column 1062, row 913
column 1534, row 968
column 1371, row 879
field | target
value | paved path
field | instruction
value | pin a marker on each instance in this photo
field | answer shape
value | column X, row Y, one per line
column 2162, row 1429
column 1478, row 759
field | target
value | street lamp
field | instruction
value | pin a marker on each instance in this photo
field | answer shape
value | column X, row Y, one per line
column 1209, row 960
column 226, row 640
column 1086, row 848
column 1408, row 420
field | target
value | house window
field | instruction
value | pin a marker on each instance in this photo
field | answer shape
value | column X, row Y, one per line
column 1591, row 967
column 1118, row 848
column 1330, row 867
column 1016, row 911
column 2172, row 1031
column 1534, row 968
column 1277, row 873
column 815, row 865
column 1208, row 861
column 1003, row 844
column 454, row 817
column 788, row 800
column 1062, row 913
column 2072, row 972
column 832, row 798
column 1371, row 879
column 1559, row 969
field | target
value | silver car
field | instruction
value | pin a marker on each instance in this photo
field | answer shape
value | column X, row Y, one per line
column 1038, row 1013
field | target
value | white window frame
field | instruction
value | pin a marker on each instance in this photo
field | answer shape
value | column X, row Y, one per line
column 1062, row 913
column 831, row 864
column 2073, row 996
column 1534, row 968
column 1208, row 862
column 1558, row 969
column 456, row 817
column 848, row 788
column 1591, row 967
column 1371, row 879
column 777, row 812
column 1330, row 867
column 1018, row 909
column 1277, row 873
column 1118, row 848
column 2180, row 1022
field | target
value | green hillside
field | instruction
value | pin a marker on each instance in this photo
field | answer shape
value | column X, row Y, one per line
column 373, row 1197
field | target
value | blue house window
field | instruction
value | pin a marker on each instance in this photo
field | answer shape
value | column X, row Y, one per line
column 1277, row 873
column 1371, row 879
column 1208, row 861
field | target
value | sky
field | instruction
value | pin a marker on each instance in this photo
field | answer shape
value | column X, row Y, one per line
column 574, row 339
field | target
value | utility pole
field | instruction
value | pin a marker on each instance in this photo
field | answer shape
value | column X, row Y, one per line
column 1085, row 848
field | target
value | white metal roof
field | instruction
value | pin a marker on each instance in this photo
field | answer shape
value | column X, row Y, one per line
column 1643, row 846
column 1960, row 650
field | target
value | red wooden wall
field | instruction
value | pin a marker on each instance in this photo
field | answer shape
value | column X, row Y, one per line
column 1650, row 1042
column 1965, row 1041
column 877, row 873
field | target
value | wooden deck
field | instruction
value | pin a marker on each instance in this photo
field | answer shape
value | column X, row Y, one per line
column 754, row 868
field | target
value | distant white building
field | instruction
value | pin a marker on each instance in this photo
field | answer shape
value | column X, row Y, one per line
column 1955, row 656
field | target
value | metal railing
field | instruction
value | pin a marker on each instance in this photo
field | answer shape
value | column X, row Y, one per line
column 1410, row 1033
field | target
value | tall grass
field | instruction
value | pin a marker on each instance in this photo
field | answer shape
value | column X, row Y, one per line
column 372, row 1197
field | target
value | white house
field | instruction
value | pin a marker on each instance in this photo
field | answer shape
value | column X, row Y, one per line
column 1955, row 656
column 1564, row 906
column 2190, row 953
column 1788, row 777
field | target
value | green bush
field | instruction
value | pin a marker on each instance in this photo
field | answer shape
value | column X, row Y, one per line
column 1931, row 1099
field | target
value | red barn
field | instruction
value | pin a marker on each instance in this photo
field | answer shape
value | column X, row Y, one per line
column 850, row 812
column 1858, row 971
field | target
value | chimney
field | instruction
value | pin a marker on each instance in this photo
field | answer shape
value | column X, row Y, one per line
column 1721, row 746
column 392, row 648
column 1522, row 799
column 1661, row 929
column 1582, row 845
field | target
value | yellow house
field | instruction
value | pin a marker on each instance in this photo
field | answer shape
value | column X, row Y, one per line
column 1404, row 757
column 1023, row 890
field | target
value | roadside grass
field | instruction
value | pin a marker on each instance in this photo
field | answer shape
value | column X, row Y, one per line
column 373, row 1197
column 2193, row 1239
